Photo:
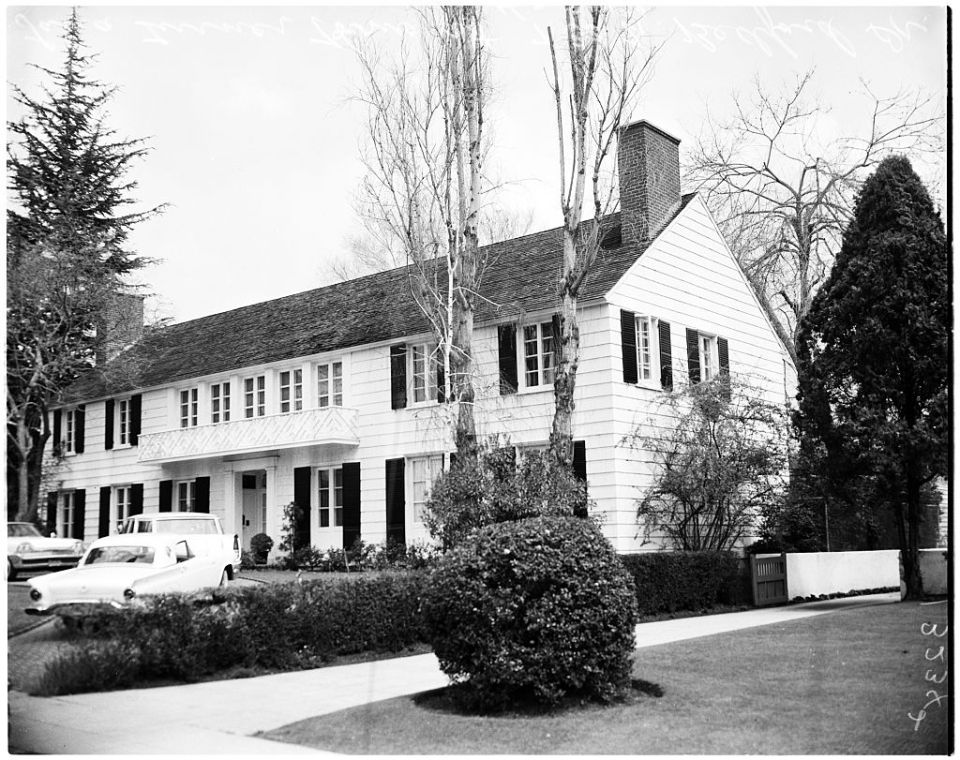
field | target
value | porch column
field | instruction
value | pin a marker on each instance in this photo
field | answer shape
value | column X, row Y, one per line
column 232, row 502
column 274, row 507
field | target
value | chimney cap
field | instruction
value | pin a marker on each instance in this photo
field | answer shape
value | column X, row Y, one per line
column 652, row 128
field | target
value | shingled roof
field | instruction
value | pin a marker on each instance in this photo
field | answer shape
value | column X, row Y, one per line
column 366, row 310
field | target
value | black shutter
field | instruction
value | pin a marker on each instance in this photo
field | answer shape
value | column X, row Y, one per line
column 580, row 471
column 452, row 459
column 79, row 512
column 723, row 359
column 79, row 426
column 396, row 501
column 136, row 499
column 441, row 382
column 103, row 529
column 52, row 499
column 507, row 344
column 57, row 422
column 108, row 426
column 166, row 495
column 301, row 497
column 201, row 494
column 628, row 345
column 136, row 409
column 398, row 376
column 666, row 356
column 693, row 355
column 351, row 504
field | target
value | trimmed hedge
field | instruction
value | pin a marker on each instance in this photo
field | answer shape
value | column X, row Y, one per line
column 281, row 626
column 536, row 609
column 675, row 581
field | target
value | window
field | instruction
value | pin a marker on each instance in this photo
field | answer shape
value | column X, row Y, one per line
column 186, row 495
column 121, row 497
column 291, row 390
column 330, row 384
column 424, row 470
column 423, row 372
column 123, row 422
column 255, row 396
column 188, row 408
column 70, row 431
column 708, row 357
column 330, row 491
column 647, row 349
column 220, row 402
column 538, row 365
column 68, row 505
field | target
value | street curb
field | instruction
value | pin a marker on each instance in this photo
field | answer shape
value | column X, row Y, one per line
column 42, row 621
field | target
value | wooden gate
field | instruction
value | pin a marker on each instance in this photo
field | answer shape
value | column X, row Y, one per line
column 769, row 575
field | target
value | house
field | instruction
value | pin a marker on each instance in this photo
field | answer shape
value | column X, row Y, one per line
column 328, row 397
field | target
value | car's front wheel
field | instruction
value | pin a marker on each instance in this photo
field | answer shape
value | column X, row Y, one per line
column 11, row 572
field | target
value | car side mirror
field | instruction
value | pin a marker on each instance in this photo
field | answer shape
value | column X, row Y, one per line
column 182, row 551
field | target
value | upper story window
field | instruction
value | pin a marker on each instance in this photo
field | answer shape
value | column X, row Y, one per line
column 330, row 492
column 123, row 422
column 255, row 396
column 538, row 358
column 70, row 431
column 291, row 390
column 647, row 349
column 423, row 471
column 423, row 372
column 189, row 407
column 708, row 357
column 220, row 402
column 186, row 495
column 330, row 384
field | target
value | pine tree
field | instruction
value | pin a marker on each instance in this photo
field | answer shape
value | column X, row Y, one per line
column 875, row 352
column 66, row 254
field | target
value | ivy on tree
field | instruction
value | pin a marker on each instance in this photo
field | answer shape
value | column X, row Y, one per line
column 66, row 249
column 874, row 353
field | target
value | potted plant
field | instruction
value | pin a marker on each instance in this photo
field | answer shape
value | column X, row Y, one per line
column 260, row 546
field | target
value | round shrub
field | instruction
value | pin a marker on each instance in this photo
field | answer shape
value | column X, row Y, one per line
column 536, row 609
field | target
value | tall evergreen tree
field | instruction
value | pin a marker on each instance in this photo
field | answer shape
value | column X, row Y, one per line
column 874, row 353
column 66, row 254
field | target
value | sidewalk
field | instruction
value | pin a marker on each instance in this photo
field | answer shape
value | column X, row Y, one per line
column 219, row 717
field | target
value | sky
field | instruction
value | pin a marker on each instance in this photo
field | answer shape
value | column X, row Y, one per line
column 256, row 133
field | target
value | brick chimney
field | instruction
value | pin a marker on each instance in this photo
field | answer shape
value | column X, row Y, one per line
column 121, row 325
column 649, row 164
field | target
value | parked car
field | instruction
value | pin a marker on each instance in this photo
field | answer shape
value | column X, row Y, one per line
column 203, row 530
column 28, row 549
column 119, row 568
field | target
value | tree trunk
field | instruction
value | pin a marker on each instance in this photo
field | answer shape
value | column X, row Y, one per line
column 566, row 343
column 910, row 548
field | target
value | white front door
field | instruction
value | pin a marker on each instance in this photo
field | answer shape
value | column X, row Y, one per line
column 254, row 503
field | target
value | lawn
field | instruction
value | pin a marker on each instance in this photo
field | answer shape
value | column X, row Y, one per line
column 841, row 683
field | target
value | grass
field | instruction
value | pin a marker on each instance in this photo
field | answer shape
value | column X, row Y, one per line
column 840, row 683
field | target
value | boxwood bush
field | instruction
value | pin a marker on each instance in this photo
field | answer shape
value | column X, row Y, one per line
column 277, row 626
column 676, row 581
column 536, row 609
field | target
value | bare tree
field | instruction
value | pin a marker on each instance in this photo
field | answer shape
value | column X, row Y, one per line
column 783, row 193
column 423, row 183
column 607, row 70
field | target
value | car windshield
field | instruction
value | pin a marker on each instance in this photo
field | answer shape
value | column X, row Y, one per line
column 189, row 526
column 23, row 530
column 105, row 554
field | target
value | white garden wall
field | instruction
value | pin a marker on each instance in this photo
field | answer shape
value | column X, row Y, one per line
column 815, row 573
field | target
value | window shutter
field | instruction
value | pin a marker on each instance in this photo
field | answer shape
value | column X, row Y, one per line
column 396, row 501
column 79, row 426
column 666, row 356
column 628, row 344
column 398, row 376
column 507, row 344
column 103, row 529
column 108, row 426
column 351, row 504
column 301, row 497
column 441, row 382
column 136, row 406
column 166, row 495
column 202, row 495
column 136, row 499
column 723, row 359
column 57, row 427
column 580, row 469
column 79, row 512
column 52, row 499
column 693, row 356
